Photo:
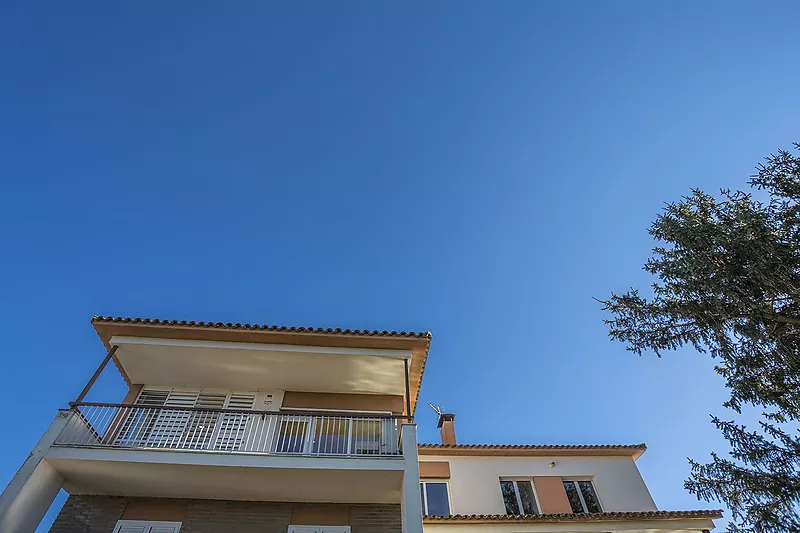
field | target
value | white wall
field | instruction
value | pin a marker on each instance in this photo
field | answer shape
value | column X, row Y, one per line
column 475, row 487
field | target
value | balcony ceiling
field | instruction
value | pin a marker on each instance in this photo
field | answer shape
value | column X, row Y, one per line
column 415, row 343
column 254, row 366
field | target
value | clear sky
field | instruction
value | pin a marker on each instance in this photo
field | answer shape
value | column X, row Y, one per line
column 479, row 170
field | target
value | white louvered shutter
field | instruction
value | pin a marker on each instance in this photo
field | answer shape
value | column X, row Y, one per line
column 203, row 424
column 178, row 426
column 233, row 426
column 171, row 423
column 132, row 528
column 139, row 423
column 165, row 527
column 142, row 526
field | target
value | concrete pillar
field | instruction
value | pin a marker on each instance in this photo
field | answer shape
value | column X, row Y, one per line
column 27, row 497
column 411, row 504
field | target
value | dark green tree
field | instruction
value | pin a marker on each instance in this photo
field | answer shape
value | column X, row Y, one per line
column 727, row 283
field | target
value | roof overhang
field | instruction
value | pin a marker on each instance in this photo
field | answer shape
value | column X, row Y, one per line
column 533, row 450
column 628, row 522
column 265, row 357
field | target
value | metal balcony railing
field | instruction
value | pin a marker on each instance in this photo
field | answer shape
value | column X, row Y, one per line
column 230, row 430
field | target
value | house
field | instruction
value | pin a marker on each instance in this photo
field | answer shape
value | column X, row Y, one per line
column 247, row 428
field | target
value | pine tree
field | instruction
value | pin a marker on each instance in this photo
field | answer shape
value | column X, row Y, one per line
column 728, row 284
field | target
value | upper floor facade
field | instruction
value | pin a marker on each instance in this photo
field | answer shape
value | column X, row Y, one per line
column 315, row 424
column 253, row 389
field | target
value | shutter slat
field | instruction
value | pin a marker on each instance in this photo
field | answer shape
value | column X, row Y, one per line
column 163, row 529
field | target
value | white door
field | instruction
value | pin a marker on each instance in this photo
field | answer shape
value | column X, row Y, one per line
column 142, row 526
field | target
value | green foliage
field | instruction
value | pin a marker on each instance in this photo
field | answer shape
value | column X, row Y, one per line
column 728, row 284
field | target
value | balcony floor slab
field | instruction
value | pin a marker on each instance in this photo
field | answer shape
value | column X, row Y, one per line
column 248, row 477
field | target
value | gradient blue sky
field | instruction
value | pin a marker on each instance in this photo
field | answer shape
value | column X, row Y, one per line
column 479, row 170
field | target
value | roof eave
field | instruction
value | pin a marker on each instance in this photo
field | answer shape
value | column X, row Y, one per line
column 418, row 343
column 570, row 517
column 533, row 450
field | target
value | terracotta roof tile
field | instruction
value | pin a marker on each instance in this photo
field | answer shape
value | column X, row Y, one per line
column 572, row 517
column 633, row 450
column 292, row 329
column 534, row 446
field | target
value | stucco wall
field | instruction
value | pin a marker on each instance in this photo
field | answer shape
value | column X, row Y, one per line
column 475, row 487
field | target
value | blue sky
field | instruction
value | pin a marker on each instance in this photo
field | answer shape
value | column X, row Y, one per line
column 480, row 170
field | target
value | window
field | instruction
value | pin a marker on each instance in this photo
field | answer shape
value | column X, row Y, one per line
column 582, row 497
column 435, row 498
column 144, row 526
column 519, row 497
column 319, row 529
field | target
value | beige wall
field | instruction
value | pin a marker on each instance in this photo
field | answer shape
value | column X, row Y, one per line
column 347, row 402
column 475, row 481
column 133, row 393
column 434, row 469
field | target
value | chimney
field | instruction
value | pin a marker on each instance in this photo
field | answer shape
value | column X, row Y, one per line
column 448, row 429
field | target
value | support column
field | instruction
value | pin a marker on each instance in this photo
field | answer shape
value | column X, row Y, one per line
column 97, row 373
column 33, row 488
column 411, row 504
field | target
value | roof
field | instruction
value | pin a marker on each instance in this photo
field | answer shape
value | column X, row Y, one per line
column 573, row 517
column 624, row 450
column 228, row 325
column 419, row 343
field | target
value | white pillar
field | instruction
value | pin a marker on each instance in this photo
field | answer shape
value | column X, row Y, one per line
column 28, row 496
column 411, row 506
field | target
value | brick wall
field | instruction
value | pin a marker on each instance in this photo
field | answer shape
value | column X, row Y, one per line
column 99, row 514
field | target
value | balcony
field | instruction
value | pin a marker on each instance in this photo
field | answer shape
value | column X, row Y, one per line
column 301, row 427
column 231, row 431
column 230, row 454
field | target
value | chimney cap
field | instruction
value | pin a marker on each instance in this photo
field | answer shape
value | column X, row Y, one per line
column 445, row 417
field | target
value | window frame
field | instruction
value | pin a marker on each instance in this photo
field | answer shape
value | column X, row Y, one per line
column 147, row 524
column 515, row 480
column 424, row 491
column 303, row 528
column 575, row 482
